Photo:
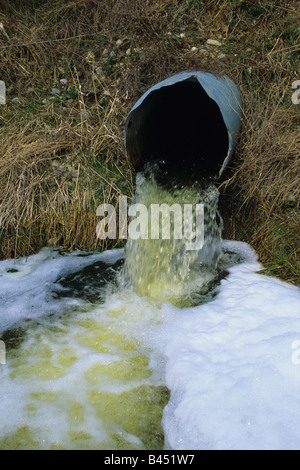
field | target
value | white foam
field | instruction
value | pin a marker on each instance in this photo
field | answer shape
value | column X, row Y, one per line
column 25, row 283
column 229, row 365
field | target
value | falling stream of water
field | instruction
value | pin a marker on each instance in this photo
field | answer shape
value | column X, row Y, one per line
column 163, row 268
column 80, row 374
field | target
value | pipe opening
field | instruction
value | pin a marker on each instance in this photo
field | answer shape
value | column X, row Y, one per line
column 180, row 127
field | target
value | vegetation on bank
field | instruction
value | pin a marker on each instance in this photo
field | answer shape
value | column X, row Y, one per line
column 74, row 68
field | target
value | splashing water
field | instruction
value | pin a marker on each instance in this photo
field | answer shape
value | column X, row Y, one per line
column 93, row 351
column 164, row 269
column 81, row 377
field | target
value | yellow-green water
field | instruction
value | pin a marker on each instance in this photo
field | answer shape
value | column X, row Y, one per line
column 163, row 269
column 85, row 382
column 86, row 379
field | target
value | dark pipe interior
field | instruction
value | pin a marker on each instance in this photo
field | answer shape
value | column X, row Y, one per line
column 180, row 126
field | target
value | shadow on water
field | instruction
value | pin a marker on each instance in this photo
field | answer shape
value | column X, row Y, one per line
column 90, row 283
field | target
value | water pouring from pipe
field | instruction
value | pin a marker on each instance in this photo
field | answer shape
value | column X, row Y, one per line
column 179, row 136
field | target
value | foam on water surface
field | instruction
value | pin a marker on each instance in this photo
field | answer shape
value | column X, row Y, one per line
column 93, row 362
column 26, row 284
column 83, row 380
column 232, row 367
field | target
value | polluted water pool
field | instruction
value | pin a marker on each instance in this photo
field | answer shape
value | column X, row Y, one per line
column 149, row 347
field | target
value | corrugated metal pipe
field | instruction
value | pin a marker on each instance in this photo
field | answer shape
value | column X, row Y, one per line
column 187, row 123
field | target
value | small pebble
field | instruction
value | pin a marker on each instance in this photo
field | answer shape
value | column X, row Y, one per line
column 213, row 42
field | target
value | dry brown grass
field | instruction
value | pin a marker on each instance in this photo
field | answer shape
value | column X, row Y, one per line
column 61, row 159
column 265, row 176
column 54, row 177
column 271, row 157
column 265, row 186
